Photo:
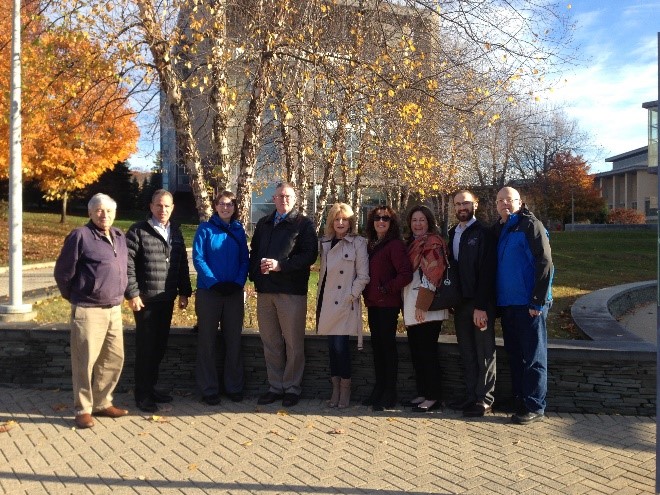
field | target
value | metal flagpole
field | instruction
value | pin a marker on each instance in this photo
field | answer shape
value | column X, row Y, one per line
column 16, row 310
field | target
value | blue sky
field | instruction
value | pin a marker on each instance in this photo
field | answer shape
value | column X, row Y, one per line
column 617, row 72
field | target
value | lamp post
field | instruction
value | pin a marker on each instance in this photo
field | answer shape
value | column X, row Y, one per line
column 15, row 310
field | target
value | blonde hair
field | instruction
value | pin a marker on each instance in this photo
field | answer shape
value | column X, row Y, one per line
column 335, row 210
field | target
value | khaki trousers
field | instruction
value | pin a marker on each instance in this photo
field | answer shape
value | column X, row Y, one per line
column 97, row 356
column 281, row 319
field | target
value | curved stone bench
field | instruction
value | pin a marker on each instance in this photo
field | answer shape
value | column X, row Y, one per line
column 595, row 313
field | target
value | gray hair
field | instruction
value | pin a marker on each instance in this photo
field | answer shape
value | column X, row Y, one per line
column 100, row 198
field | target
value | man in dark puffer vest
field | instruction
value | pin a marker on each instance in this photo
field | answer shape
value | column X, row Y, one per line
column 157, row 272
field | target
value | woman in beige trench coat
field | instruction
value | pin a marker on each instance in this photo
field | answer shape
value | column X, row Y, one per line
column 343, row 275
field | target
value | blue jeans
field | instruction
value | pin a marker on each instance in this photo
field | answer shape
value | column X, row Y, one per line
column 340, row 356
column 526, row 343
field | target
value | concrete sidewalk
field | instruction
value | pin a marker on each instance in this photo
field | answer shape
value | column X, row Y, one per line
column 248, row 449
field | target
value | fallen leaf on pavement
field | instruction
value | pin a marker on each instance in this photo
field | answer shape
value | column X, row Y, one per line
column 158, row 419
column 246, row 444
column 337, row 431
column 292, row 439
column 282, row 412
column 192, row 467
column 274, row 432
column 6, row 426
column 60, row 407
column 392, row 420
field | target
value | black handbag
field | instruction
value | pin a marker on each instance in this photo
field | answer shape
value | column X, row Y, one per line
column 448, row 292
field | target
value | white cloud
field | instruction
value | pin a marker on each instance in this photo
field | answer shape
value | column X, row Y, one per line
column 620, row 72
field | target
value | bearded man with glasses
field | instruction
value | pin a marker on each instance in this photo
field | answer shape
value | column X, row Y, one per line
column 283, row 248
column 472, row 246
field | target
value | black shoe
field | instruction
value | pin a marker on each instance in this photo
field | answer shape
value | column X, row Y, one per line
column 211, row 400
column 460, row 404
column 477, row 410
column 388, row 401
column 527, row 418
column 146, row 405
column 374, row 397
column 414, row 402
column 290, row 400
column 160, row 396
column 268, row 398
column 432, row 407
column 235, row 396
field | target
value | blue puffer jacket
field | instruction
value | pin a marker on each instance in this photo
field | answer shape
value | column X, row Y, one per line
column 524, row 262
column 216, row 256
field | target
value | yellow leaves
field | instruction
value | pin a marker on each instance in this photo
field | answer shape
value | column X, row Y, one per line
column 158, row 419
column 282, row 412
column 7, row 425
column 390, row 93
column 193, row 467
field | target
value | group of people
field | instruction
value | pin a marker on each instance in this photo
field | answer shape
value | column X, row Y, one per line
column 505, row 271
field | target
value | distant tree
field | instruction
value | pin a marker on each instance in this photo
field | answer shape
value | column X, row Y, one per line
column 76, row 119
column 564, row 188
column 117, row 183
column 626, row 216
column 149, row 186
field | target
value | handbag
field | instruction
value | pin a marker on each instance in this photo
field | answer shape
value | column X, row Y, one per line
column 448, row 292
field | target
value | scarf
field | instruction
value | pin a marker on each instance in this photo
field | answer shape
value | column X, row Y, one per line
column 428, row 253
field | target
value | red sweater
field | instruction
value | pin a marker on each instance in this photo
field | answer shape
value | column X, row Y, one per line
column 389, row 272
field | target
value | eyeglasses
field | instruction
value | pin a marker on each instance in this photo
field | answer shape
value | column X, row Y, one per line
column 383, row 218
column 225, row 205
column 508, row 200
column 463, row 203
column 283, row 196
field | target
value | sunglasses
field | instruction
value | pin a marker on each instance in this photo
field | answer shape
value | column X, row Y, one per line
column 383, row 218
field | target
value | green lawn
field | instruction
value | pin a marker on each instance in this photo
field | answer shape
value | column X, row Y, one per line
column 584, row 261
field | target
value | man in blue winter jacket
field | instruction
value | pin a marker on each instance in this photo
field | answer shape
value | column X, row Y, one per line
column 523, row 287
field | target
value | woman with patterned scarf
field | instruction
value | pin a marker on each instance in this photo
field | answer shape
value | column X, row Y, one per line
column 427, row 251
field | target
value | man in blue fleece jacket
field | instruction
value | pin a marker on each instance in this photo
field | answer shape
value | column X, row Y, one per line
column 524, row 295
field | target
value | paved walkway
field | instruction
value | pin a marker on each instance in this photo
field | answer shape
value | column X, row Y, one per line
column 248, row 449
column 643, row 321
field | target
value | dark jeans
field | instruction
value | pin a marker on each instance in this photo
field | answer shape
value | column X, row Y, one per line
column 214, row 309
column 423, row 342
column 152, row 330
column 382, row 325
column 477, row 350
column 526, row 343
column 340, row 356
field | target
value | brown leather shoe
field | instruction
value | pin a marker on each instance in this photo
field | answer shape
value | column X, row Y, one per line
column 84, row 421
column 111, row 412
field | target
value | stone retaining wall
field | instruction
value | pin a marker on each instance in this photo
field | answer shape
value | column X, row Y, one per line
column 584, row 377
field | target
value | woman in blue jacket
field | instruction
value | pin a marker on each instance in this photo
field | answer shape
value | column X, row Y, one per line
column 221, row 257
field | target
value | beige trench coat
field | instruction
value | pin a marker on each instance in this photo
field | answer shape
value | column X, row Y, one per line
column 347, row 269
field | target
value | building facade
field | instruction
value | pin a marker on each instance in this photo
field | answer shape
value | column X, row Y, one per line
column 633, row 181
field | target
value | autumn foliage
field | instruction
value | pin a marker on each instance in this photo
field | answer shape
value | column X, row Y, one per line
column 76, row 122
column 626, row 216
column 566, row 186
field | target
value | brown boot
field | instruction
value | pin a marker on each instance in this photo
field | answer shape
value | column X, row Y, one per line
column 344, row 393
column 334, row 400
